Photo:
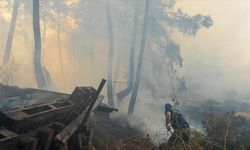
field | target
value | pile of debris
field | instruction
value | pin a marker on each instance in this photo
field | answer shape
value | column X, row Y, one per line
column 60, row 125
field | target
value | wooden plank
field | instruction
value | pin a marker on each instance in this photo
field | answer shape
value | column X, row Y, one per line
column 80, row 93
column 71, row 129
column 27, row 143
column 45, row 137
column 23, row 120
column 31, row 122
column 8, row 139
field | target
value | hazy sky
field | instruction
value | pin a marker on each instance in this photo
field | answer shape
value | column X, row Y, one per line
column 217, row 59
column 223, row 50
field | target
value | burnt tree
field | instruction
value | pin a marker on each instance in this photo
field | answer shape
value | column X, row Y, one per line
column 110, row 56
column 9, row 41
column 41, row 82
column 129, row 88
column 140, row 60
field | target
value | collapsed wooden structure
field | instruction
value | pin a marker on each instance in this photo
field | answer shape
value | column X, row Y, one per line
column 62, row 125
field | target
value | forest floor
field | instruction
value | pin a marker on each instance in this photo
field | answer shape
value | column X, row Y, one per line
column 116, row 133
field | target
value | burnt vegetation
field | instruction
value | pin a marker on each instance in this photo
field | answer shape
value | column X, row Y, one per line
column 131, row 43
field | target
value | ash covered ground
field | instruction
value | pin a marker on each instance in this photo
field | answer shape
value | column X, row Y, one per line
column 115, row 130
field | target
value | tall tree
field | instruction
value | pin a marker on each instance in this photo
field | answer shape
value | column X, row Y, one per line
column 140, row 60
column 110, row 56
column 129, row 88
column 41, row 81
column 165, row 56
column 59, row 42
column 9, row 41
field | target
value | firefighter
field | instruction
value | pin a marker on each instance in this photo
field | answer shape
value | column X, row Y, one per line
column 181, row 127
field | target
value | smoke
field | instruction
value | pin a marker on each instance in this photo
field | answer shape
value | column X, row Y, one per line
column 215, row 62
column 182, row 44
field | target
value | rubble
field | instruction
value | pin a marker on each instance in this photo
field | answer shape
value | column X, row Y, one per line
column 56, row 125
column 58, row 121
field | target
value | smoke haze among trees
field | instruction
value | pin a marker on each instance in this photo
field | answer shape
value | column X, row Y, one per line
column 187, row 46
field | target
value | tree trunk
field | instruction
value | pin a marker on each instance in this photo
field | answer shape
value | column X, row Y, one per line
column 9, row 41
column 140, row 60
column 59, row 43
column 48, row 80
column 110, row 57
column 41, row 82
column 116, row 75
column 44, row 27
column 129, row 88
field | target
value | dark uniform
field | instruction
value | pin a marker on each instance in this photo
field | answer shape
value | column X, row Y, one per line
column 179, row 124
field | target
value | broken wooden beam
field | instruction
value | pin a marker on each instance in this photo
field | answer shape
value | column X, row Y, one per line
column 69, row 131
column 8, row 139
column 23, row 120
